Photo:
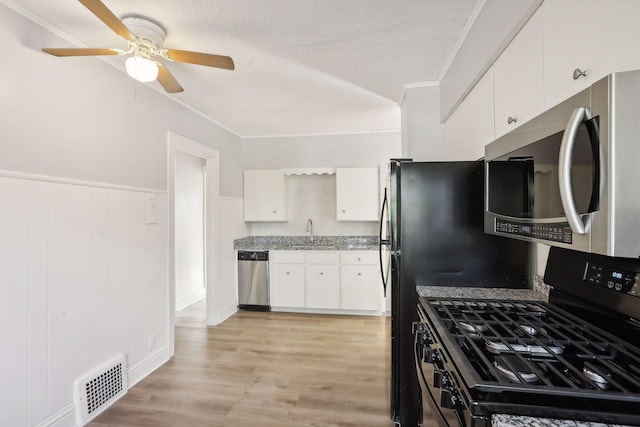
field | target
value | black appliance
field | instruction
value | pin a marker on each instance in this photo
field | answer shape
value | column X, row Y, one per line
column 433, row 212
column 575, row 357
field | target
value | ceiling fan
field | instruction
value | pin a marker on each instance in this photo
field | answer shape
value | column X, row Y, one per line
column 145, row 39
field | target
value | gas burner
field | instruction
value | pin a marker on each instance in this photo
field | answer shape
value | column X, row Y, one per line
column 474, row 328
column 508, row 365
column 533, row 350
column 531, row 330
column 601, row 381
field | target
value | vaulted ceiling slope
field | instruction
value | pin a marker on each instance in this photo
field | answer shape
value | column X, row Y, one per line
column 302, row 66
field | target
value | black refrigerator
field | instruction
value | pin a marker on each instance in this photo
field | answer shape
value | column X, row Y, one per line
column 433, row 217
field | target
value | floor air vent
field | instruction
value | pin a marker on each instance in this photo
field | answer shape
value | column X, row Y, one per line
column 97, row 390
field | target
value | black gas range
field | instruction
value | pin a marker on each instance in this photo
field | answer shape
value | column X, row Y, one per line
column 576, row 357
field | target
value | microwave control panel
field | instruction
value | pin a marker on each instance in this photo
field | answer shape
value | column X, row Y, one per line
column 555, row 232
column 614, row 279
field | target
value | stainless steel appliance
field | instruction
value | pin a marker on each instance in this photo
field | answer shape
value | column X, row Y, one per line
column 436, row 237
column 568, row 177
column 576, row 357
column 253, row 280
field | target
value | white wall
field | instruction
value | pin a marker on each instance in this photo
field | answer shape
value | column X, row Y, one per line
column 314, row 196
column 422, row 132
column 82, row 277
column 352, row 150
column 81, row 118
column 189, row 230
column 231, row 227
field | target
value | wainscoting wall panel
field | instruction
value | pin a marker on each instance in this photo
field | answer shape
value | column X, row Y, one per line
column 82, row 277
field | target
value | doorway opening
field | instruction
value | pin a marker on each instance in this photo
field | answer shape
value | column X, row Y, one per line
column 193, row 182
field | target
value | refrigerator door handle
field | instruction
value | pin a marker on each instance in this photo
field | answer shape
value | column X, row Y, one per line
column 382, row 242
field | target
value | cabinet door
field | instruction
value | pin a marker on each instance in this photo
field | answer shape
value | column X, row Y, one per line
column 360, row 287
column 470, row 127
column 265, row 195
column 517, row 78
column 598, row 36
column 323, row 286
column 357, row 194
column 287, row 285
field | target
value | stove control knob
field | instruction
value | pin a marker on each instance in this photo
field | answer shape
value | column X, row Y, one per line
column 430, row 355
column 440, row 378
column 448, row 399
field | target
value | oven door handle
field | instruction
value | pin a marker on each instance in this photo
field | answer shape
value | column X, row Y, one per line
column 577, row 224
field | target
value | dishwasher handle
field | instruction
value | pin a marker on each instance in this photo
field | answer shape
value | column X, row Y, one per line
column 253, row 255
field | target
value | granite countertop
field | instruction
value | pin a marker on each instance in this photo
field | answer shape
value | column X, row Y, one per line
column 520, row 421
column 317, row 243
column 539, row 294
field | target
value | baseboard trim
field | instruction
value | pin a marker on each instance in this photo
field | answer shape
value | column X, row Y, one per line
column 65, row 417
column 225, row 312
column 338, row 312
column 186, row 300
column 147, row 365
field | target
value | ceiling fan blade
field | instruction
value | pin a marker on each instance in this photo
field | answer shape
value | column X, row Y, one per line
column 198, row 58
column 74, row 51
column 167, row 81
column 105, row 15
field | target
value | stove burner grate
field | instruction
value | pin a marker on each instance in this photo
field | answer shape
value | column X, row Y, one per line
column 515, row 369
column 535, row 344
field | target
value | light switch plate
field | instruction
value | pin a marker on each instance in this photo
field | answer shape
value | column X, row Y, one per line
column 151, row 209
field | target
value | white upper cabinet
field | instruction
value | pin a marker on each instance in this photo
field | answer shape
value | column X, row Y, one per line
column 357, row 194
column 517, row 78
column 470, row 127
column 265, row 195
column 596, row 36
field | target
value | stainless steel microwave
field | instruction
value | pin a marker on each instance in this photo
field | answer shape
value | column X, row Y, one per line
column 571, row 176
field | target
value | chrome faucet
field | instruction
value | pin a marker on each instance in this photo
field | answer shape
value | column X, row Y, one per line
column 310, row 228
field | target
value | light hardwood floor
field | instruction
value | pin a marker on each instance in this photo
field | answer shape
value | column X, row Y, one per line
column 267, row 369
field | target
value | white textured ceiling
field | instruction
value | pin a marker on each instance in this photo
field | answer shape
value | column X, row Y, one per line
column 302, row 66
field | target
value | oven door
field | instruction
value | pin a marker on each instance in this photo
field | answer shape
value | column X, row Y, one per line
column 435, row 402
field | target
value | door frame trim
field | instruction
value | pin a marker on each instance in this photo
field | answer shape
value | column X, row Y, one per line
column 175, row 143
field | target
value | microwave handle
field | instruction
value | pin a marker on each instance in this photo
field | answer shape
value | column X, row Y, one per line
column 576, row 223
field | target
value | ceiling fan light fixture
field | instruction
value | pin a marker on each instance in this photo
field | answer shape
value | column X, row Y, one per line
column 142, row 69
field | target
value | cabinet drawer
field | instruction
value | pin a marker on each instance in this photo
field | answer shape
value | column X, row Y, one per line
column 287, row 257
column 359, row 257
column 323, row 257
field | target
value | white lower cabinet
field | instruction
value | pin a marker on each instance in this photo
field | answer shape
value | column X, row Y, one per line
column 331, row 281
column 361, row 284
column 287, row 285
column 360, row 287
column 322, row 286
column 286, row 279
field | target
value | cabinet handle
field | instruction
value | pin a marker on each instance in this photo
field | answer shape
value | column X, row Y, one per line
column 359, row 259
column 511, row 120
column 359, row 274
column 577, row 73
column 321, row 273
column 287, row 273
column 274, row 211
column 344, row 211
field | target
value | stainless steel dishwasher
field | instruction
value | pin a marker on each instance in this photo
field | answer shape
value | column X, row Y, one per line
column 253, row 280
